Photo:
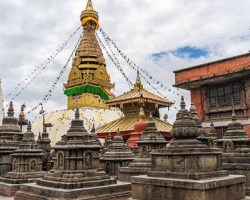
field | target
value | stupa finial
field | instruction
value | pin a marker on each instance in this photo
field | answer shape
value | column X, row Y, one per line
column 183, row 104
column 29, row 127
column 11, row 110
column 90, row 15
column 77, row 114
column 138, row 85
column 89, row 5
column 93, row 129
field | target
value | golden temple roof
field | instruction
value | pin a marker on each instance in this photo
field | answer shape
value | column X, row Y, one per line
column 126, row 124
column 139, row 94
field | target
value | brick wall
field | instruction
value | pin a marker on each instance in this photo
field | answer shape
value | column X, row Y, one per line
column 196, row 98
column 215, row 68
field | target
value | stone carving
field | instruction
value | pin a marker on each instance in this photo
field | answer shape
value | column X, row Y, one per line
column 88, row 160
column 228, row 145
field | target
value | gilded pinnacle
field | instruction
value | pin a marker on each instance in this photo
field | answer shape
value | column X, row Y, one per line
column 138, row 85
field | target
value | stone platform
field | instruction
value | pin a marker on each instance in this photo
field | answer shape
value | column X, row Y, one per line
column 32, row 191
column 223, row 188
column 8, row 190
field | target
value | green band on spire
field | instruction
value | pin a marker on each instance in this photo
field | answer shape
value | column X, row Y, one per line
column 87, row 89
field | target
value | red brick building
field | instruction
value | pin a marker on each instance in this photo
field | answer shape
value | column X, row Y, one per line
column 218, row 87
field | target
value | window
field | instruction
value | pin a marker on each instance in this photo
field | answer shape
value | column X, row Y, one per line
column 224, row 94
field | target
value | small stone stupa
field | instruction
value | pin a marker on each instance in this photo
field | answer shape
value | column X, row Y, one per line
column 44, row 144
column 10, row 137
column 26, row 165
column 187, row 170
column 236, row 151
column 76, row 173
column 149, row 141
column 117, row 155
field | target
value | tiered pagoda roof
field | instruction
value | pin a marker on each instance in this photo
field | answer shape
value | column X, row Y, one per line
column 130, row 103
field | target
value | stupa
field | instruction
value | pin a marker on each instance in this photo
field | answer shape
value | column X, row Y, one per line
column 130, row 104
column 44, row 144
column 187, row 169
column 151, row 139
column 117, row 155
column 88, row 86
column 76, row 173
column 236, row 150
column 10, row 137
column 26, row 165
column 203, row 136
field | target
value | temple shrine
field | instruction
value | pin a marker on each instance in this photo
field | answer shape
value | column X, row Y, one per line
column 130, row 104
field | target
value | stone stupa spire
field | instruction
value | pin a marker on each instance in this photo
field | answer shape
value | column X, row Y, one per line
column 235, row 129
column 10, row 112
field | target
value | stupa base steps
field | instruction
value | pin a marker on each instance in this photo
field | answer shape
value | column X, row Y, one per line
column 119, row 191
column 224, row 188
column 20, row 178
column 76, row 185
column 125, row 173
column 245, row 173
column 190, row 175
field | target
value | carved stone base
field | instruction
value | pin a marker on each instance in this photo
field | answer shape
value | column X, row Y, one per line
column 223, row 188
column 126, row 172
column 139, row 166
column 119, row 191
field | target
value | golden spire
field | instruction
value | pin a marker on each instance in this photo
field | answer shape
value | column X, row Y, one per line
column 138, row 85
column 89, row 5
column 90, row 15
column 88, row 83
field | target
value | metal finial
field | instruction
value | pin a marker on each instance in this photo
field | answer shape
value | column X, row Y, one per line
column 183, row 104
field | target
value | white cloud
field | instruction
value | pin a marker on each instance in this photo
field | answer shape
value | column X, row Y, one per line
column 31, row 30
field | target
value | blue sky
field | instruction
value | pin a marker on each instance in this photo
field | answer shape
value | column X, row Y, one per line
column 187, row 52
